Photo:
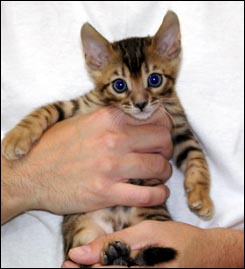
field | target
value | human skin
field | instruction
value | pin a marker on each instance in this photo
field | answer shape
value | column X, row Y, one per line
column 83, row 164
column 196, row 247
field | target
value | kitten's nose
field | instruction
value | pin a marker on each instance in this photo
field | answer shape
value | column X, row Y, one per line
column 141, row 105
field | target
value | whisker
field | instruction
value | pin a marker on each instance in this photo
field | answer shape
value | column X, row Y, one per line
column 117, row 116
column 162, row 109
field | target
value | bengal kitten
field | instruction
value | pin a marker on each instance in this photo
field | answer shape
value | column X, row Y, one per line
column 136, row 75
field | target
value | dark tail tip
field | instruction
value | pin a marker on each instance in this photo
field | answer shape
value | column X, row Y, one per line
column 154, row 255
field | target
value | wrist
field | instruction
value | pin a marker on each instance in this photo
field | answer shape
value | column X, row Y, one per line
column 15, row 198
column 224, row 248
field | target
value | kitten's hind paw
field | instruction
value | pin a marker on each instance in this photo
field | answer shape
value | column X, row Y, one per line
column 116, row 253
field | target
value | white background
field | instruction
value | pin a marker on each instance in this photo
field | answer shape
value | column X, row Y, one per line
column 42, row 62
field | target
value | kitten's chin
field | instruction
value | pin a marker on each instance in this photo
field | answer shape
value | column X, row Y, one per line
column 142, row 115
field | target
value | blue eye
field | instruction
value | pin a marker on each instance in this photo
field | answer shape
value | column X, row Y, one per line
column 154, row 80
column 119, row 85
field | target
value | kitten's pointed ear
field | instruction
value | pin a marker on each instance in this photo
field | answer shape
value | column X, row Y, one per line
column 96, row 48
column 167, row 39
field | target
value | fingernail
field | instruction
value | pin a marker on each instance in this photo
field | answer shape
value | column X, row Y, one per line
column 167, row 192
column 79, row 251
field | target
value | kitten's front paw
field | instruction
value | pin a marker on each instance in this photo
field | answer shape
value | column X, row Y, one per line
column 17, row 143
column 200, row 202
column 116, row 253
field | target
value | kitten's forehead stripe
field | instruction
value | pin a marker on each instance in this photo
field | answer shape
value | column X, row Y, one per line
column 123, row 71
column 104, row 87
column 170, row 77
column 146, row 67
column 132, row 52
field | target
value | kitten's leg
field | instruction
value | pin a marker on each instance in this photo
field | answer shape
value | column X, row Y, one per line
column 117, row 253
column 190, row 158
column 20, row 139
column 79, row 230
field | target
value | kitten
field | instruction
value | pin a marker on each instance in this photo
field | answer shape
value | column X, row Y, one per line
column 136, row 75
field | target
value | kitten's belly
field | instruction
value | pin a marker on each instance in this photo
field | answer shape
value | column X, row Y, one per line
column 111, row 219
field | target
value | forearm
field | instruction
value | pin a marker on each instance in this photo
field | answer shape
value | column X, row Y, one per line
column 224, row 248
column 13, row 191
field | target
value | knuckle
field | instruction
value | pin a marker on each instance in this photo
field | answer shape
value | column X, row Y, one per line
column 167, row 144
column 167, row 138
column 107, row 165
column 110, row 140
column 100, row 186
column 163, row 194
column 161, row 168
column 113, row 140
column 167, row 171
column 158, row 165
column 170, row 170
column 170, row 151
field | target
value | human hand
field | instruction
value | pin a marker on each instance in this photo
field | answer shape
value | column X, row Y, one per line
column 196, row 248
column 83, row 163
column 182, row 237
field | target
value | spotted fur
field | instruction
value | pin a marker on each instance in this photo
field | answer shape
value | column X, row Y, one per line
column 132, row 60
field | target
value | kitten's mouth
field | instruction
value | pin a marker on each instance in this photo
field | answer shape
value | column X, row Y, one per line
column 142, row 115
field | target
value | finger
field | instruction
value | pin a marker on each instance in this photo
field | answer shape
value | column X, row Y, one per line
column 150, row 138
column 131, row 195
column 69, row 264
column 144, row 166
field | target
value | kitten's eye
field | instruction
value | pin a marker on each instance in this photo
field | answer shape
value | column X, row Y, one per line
column 119, row 85
column 154, row 80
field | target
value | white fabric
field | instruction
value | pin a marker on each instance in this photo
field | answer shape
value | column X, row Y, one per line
column 42, row 62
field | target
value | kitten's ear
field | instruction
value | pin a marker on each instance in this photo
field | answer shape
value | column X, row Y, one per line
column 167, row 39
column 96, row 48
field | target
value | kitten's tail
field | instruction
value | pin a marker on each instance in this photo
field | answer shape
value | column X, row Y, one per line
column 155, row 255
